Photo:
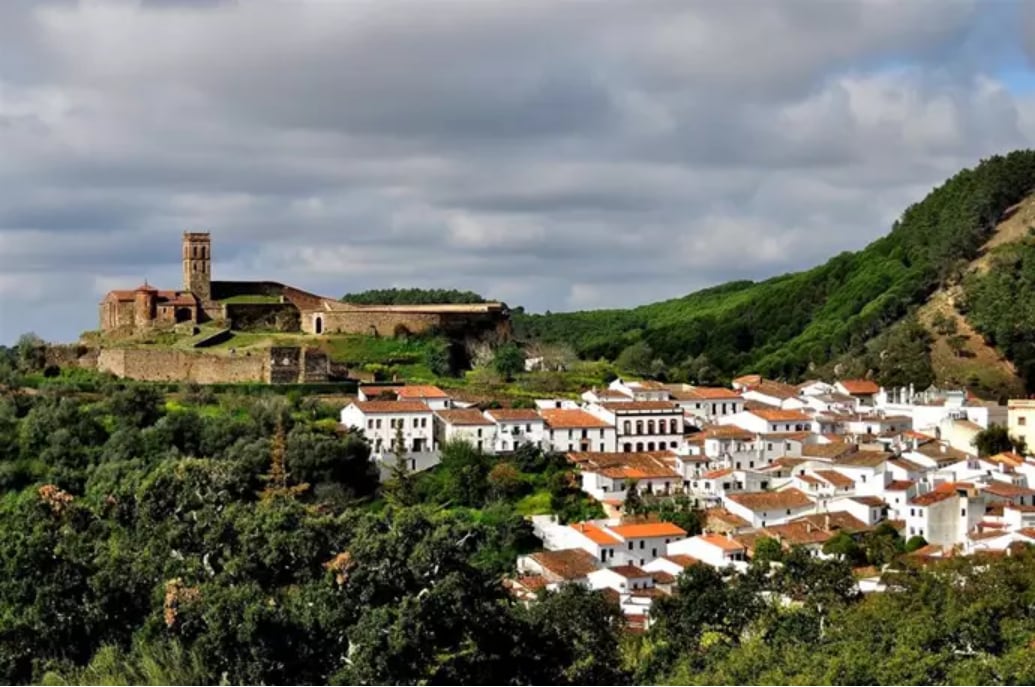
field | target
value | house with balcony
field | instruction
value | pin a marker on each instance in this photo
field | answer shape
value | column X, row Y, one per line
column 642, row 425
column 608, row 476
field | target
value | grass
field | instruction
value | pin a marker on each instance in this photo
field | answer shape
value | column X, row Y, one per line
column 250, row 298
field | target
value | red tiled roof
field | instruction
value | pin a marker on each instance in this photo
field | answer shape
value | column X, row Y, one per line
column 777, row 415
column 836, row 478
column 681, row 559
column 594, row 533
column 374, row 407
column 724, row 543
column 514, row 415
column 900, row 485
column 571, row 418
column 710, row 392
column 567, row 564
column 648, row 529
column 860, row 387
column 634, row 406
column 628, row 571
column 420, row 391
column 771, row 500
column 464, row 416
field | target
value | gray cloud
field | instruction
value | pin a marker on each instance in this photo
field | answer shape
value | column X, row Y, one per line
column 553, row 155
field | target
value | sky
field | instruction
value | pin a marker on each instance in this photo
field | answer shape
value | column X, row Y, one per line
column 554, row 155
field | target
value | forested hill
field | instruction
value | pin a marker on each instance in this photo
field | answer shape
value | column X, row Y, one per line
column 785, row 326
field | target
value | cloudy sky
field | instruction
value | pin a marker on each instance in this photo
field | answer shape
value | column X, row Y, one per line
column 562, row 155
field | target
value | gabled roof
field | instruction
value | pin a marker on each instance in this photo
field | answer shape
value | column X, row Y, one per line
column 859, row 387
column 711, row 393
column 775, row 389
column 514, row 415
column 836, row 479
column 648, row 529
column 864, row 459
column 464, row 416
column 629, row 571
column 1007, row 490
column 419, row 391
column 594, row 533
column 565, row 418
column 639, row 406
column 381, row 407
column 681, row 559
column 567, row 564
column 771, row 500
column 900, row 485
column 778, row 415
column 724, row 543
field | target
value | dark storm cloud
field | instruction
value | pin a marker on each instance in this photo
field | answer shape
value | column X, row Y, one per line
column 556, row 155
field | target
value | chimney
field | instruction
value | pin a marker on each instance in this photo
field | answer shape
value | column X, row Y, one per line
column 826, row 522
column 808, row 527
column 729, row 535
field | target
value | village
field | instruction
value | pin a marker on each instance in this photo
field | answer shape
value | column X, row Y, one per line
column 798, row 464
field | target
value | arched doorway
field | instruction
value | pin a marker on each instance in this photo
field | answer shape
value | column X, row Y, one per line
column 184, row 315
column 318, row 324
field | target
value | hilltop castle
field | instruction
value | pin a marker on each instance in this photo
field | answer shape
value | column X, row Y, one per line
column 272, row 306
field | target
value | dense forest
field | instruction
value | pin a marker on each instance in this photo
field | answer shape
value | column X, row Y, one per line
column 411, row 297
column 784, row 326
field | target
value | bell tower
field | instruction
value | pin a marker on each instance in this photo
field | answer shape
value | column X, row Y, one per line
column 197, row 263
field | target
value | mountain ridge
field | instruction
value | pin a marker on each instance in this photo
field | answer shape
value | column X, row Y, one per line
column 835, row 314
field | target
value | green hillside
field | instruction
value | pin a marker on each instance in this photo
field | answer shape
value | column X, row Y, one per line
column 787, row 325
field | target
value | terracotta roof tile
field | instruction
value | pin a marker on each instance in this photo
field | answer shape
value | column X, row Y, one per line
column 464, row 416
column 563, row 418
column 514, row 415
column 567, row 564
column 594, row 533
column 724, row 543
column 860, row 387
column 648, row 529
column 777, row 415
column 629, row 571
column 420, row 391
column 375, row 407
column 640, row 406
column 771, row 500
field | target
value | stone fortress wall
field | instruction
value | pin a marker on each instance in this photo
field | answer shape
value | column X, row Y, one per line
column 278, row 365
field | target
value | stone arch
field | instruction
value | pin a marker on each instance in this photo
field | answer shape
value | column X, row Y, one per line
column 318, row 324
column 183, row 315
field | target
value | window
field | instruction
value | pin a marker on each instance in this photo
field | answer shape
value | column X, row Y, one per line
column 479, row 433
column 1021, row 421
column 370, row 424
column 963, row 512
column 788, row 511
column 912, row 511
column 643, row 544
column 673, row 426
column 639, row 445
column 585, row 433
column 769, row 447
column 650, row 426
column 528, row 428
column 570, row 434
column 377, row 423
column 650, row 445
column 654, row 553
column 639, row 426
column 673, row 444
column 627, row 427
column 627, row 447
column 630, row 546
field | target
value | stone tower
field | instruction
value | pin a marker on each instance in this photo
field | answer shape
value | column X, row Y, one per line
column 197, row 263
column 145, row 299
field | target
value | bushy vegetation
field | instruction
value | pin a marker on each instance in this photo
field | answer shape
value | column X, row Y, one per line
column 1000, row 304
column 411, row 297
column 781, row 326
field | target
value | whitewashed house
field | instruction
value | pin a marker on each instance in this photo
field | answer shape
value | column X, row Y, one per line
column 769, row 507
column 574, row 429
column 466, row 424
column 516, row 427
column 767, row 421
column 642, row 425
column 716, row 550
column 383, row 421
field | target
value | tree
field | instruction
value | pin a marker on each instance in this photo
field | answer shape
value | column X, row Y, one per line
column 914, row 543
column 996, row 439
column 844, row 547
column 767, row 550
column 633, row 504
column 401, row 486
column 277, row 478
column 509, row 361
column 436, row 357
column 636, row 359
column 31, row 352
